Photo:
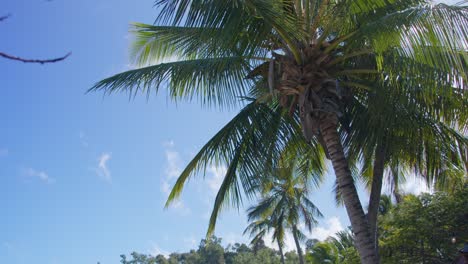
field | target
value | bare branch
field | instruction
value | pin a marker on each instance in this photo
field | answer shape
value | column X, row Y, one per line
column 15, row 58
column 4, row 17
column 10, row 57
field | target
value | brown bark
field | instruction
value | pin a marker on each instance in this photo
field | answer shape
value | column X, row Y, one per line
column 15, row 58
column 376, row 191
column 359, row 223
column 398, row 196
column 298, row 246
column 281, row 251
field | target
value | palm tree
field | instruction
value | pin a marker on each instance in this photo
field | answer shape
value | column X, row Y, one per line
column 316, row 60
column 283, row 206
column 323, row 252
column 335, row 249
column 258, row 229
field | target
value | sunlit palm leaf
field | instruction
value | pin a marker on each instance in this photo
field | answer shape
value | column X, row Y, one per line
column 218, row 81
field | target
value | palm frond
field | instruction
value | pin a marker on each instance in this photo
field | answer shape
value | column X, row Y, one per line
column 255, row 17
column 159, row 43
column 250, row 144
column 217, row 81
column 420, row 33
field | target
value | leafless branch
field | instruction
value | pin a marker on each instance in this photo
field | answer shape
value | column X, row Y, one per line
column 10, row 57
column 4, row 17
column 15, row 58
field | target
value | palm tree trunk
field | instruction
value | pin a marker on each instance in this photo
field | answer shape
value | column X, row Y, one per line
column 281, row 251
column 298, row 246
column 359, row 223
column 376, row 191
column 397, row 194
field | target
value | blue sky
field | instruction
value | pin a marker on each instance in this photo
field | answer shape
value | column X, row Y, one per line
column 84, row 177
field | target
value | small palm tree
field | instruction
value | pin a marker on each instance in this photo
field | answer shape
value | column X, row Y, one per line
column 258, row 229
column 323, row 252
column 335, row 249
column 284, row 205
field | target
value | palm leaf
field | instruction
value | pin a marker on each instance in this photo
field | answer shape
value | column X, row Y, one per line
column 216, row 81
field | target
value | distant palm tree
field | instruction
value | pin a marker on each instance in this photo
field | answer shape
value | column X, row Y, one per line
column 323, row 252
column 321, row 61
column 284, row 206
column 258, row 229
column 337, row 249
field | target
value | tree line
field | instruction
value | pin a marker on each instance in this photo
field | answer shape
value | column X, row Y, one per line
column 429, row 228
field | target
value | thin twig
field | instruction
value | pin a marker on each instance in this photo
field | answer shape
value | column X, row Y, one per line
column 5, row 17
column 10, row 57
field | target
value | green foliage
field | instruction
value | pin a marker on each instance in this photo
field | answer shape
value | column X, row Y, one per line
column 265, row 255
column 419, row 230
column 393, row 72
column 291, row 257
column 283, row 207
column 334, row 250
column 210, row 251
column 141, row 259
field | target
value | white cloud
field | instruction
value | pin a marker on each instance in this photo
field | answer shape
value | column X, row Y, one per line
column 415, row 185
column 190, row 242
column 41, row 175
column 181, row 208
column 103, row 170
column 171, row 172
column 3, row 152
column 232, row 238
column 209, row 188
column 173, row 168
column 165, row 187
column 169, row 144
column 156, row 250
column 217, row 177
column 289, row 243
column 83, row 139
column 333, row 225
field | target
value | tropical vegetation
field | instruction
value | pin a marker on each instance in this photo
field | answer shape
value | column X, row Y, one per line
column 429, row 228
column 284, row 206
column 370, row 84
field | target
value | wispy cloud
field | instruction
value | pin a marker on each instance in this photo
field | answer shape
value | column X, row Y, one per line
column 233, row 237
column 415, row 185
column 171, row 172
column 332, row 226
column 173, row 168
column 102, row 169
column 156, row 250
column 83, row 139
column 8, row 246
column 289, row 243
column 190, row 242
column 4, row 152
column 210, row 187
column 41, row 175
column 217, row 177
